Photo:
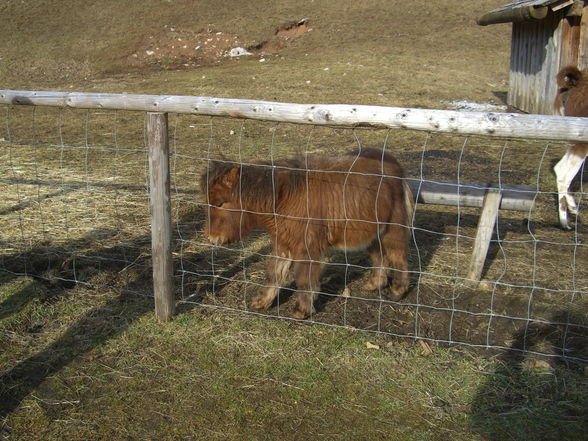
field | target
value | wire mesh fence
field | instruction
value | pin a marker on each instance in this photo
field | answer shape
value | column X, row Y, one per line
column 76, row 211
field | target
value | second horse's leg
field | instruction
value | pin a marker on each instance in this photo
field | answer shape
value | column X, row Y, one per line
column 565, row 171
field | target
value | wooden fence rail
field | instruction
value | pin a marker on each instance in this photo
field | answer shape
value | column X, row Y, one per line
column 449, row 121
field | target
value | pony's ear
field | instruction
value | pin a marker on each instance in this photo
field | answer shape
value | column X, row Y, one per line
column 231, row 178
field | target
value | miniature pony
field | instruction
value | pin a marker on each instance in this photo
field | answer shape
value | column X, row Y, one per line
column 310, row 205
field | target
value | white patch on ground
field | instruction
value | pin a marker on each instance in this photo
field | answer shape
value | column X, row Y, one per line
column 238, row 52
column 469, row 106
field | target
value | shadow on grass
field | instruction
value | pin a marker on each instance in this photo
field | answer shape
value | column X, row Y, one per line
column 19, row 299
column 58, row 270
column 95, row 326
column 533, row 398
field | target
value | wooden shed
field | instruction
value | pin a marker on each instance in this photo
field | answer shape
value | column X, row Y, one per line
column 546, row 35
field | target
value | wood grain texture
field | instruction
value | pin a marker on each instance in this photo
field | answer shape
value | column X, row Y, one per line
column 161, row 227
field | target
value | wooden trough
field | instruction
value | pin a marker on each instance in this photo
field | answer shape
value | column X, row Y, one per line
column 489, row 197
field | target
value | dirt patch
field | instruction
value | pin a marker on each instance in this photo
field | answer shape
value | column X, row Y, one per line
column 178, row 48
column 283, row 36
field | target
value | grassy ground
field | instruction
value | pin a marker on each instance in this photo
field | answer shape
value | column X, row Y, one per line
column 88, row 361
column 96, row 365
column 376, row 52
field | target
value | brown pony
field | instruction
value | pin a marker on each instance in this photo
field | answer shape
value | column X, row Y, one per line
column 308, row 206
column 571, row 100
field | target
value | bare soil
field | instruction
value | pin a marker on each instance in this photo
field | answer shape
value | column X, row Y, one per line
column 177, row 49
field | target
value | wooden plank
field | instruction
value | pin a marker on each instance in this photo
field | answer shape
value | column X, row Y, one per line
column 484, row 233
column 161, row 227
column 548, row 88
column 470, row 194
column 583, row 44
column 550, row 69
column 561, row 5
column 519, row 69
column 513, row 80
column 449, row 121
column 513, row 15
column 570, row 41
column 534, row 57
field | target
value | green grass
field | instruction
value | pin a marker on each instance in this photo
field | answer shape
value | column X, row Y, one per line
column 91, row 366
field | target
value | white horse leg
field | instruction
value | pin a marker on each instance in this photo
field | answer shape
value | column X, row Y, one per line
column 565, row 171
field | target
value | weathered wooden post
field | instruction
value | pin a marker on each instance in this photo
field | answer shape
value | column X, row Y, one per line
column 161, row 228
column 484, row 233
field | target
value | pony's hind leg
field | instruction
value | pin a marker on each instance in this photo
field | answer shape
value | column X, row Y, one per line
column 395, row 247
column 307, row 274
column 277, row 273
column 379, row 275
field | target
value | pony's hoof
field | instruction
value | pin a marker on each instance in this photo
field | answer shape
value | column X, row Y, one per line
column 398, row 292
column 260, row 302
column 377, row 279
column 375, row 283
column 302, row 312
column 563, row 223
column 300, row 315
column 370, row 286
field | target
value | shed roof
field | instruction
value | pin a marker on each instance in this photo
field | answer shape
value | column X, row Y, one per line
column 522, row 10
column 521, row 3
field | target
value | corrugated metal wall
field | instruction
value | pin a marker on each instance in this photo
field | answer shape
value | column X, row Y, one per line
column 534, row 64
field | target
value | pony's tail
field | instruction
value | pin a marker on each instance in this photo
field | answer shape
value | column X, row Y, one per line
column 408, row 202
column 569, row 77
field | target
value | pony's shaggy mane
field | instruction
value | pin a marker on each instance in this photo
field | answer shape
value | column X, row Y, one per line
column 259, row 180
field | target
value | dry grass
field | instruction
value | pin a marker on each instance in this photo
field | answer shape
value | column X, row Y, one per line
column 81, row 356
column 374, row 53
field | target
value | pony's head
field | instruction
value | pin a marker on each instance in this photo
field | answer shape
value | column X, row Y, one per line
column 568, row 80
column 226, row 220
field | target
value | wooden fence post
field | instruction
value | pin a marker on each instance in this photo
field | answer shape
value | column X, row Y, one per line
column 484, row 234
column 161, row 228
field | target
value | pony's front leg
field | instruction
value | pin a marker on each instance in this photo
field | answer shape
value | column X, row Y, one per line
column 565, row 171
column 307, row 274
column 277, row 272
